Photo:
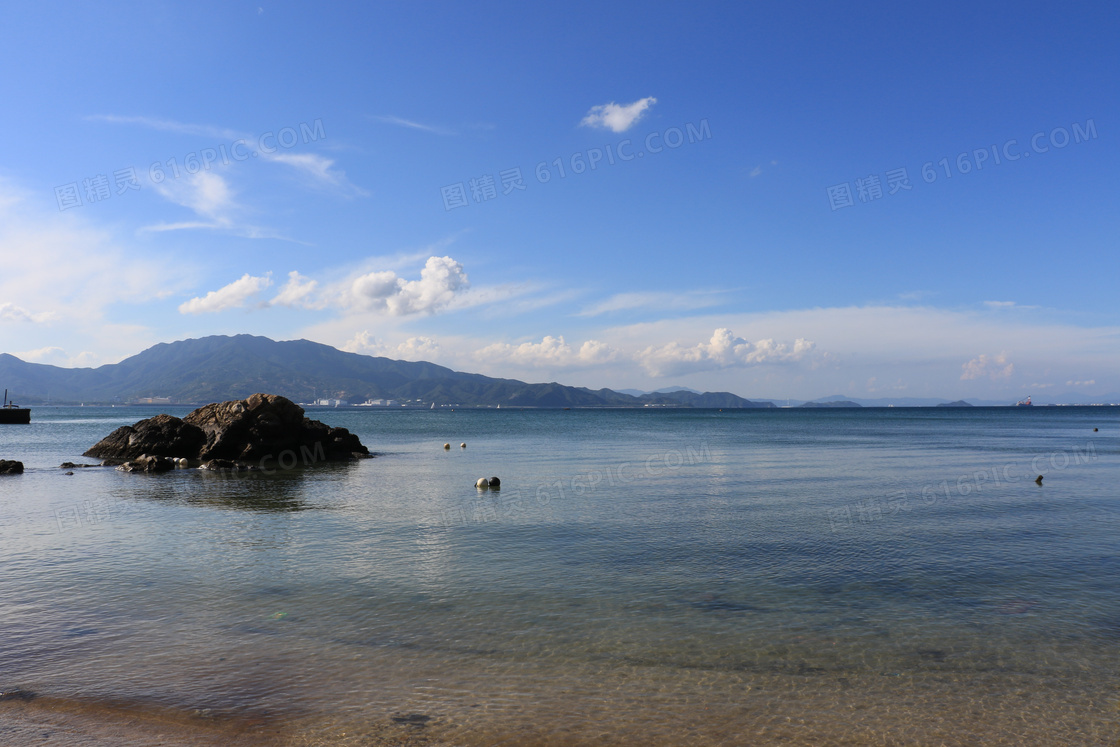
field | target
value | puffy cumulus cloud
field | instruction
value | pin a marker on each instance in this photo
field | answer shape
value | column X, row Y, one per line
column 231, row 296
column 549, row 352
column 723, row 350
column 617, row 117
column 297, row 292
column 418, row 349
column 993, row 368
column 412, row 349
column 441, row 280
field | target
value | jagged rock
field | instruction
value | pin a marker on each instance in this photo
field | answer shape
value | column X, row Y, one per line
column 265, row 430
column 163, row 435
column 10, row 467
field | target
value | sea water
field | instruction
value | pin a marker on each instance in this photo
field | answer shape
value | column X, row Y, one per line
column 863, row 576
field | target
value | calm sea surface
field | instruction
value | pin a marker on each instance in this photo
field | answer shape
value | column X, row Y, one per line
column 887, row 576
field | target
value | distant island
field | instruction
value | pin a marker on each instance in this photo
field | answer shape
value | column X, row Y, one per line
column 833, row 403
column 958, row 403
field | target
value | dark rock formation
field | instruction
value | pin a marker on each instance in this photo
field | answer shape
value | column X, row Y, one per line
column 9, row 467
column 265, row 429
column 163, row 435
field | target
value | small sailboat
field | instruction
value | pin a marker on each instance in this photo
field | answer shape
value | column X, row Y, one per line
column 12, row 413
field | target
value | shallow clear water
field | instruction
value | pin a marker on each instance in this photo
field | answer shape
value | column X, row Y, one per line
column 678, row 577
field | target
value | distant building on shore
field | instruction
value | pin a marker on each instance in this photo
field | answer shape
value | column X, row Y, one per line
column 330, row 402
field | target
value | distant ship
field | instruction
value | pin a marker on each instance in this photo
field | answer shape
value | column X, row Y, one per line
column 11, row 413
column 1024, row 402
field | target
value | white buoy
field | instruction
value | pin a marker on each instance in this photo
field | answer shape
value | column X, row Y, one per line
column 481, row 483
column 447, row 446
column 463, row 445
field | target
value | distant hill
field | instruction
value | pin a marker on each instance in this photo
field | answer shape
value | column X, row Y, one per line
column 831, row 403
column 958, row 403
column 692, row 398
column 220, row 368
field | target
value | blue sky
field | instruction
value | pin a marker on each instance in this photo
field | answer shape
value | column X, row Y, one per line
column 786, row 201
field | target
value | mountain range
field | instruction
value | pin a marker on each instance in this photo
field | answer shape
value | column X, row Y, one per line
column 218, row 368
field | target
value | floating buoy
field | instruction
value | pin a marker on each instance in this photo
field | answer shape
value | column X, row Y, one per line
column 1038, row 480
column 463, row 445
column 481, row 483
column 447, row 446
column 1095, row 430
column 495, row 482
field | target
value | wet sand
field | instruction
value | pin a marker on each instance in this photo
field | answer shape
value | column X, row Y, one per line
column 620, row 709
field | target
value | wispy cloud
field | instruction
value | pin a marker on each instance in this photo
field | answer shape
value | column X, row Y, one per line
column 9, row 312
column 319, row 169
column 655, row 300
column 617, row 117
column 410, row 124
column 169, row 125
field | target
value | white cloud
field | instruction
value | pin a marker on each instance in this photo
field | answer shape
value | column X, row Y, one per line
column 413, row 125
column 412, row 349
column 9, row 312
column 56, row 356
column 206, row 193
column 549, row 352
column 231, row 296
column 46, row 278
column 297, row 292
column 723, row 350
column 168, row 125
column 617, row 117
column 440, row 281
column 982, row 366
column 1090, row 382
column 319, row 169
column 655, row 300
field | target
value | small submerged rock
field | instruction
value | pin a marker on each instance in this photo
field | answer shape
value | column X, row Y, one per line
column 148, row 463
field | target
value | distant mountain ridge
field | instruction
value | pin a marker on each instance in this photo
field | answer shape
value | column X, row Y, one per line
column 218, row 368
